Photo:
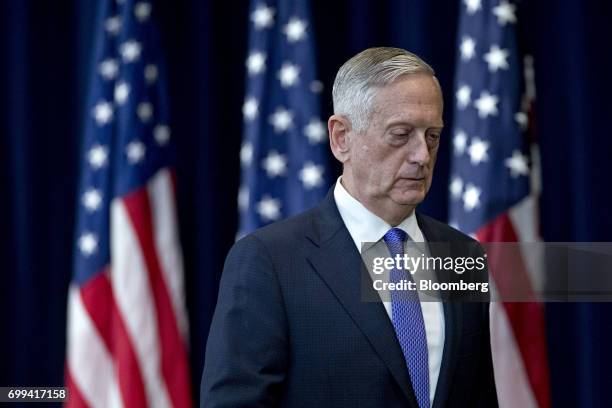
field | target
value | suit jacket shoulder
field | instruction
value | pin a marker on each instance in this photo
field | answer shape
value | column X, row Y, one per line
column 287, row 230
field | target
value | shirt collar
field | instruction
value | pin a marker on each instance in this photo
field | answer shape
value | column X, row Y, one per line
column 365, row 226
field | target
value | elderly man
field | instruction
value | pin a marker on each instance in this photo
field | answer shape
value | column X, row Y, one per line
column 291, row 327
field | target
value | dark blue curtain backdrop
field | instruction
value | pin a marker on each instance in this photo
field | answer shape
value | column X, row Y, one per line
column 45, row 49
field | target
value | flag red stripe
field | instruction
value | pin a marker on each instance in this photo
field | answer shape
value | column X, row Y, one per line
column 507, row 265
column 75, row 398
column 174, row 365
column 98, row 300
column 526, row 318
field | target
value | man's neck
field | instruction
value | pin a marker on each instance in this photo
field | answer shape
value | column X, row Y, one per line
column 392, row 213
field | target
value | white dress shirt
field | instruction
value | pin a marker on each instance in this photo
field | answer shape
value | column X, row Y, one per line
column 364, row 226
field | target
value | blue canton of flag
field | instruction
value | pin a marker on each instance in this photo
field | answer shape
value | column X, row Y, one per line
column 489, row 165
column 127, row 134
column 284, row 150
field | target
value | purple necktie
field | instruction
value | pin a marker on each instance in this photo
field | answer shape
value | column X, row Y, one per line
column 408, row 322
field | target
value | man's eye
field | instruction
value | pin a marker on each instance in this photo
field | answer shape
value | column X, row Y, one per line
column 399, row 139
column 433, row 140
column 434, row 137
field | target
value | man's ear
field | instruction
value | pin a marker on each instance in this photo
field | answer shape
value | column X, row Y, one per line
column 339, row 137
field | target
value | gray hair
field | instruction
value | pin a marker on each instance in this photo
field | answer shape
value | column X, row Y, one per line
column 356, row 82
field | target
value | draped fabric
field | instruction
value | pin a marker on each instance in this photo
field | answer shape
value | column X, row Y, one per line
column 46, row 48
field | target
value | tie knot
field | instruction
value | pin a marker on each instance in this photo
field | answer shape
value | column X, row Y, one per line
column 395, row 236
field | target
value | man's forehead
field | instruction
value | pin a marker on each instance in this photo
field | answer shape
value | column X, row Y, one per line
column 409, row 100
column 430, row 118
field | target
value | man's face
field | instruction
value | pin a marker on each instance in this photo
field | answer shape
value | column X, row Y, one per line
column 391, row 163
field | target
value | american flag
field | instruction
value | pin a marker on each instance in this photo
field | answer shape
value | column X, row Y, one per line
column 284, row 151
column 127, row 325
column 491, row 194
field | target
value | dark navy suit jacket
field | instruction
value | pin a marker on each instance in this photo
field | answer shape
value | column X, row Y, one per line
column 290, row 328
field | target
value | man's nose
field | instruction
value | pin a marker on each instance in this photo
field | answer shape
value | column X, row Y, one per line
column 418, row 150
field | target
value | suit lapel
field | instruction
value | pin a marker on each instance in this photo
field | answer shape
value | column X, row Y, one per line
column 452, row 318
column 337, row 261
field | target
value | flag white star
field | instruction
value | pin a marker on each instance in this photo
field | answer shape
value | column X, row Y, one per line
column 103, row 113
column 88, row 243
column 496, row 58
column 486, row 104
column 472, row 6
column 459, row 142
column 246, row 154
column 315, row 131
column 478, row 151
column 281, row 120
column 295, row 30
column 97, row 156
column 269, row 208
column 456, row 187
column 316, row 86
column 263, row 17
column 243, row 198
column 161, row 133
column 109, row 69
column 91, row 199
column 289, row 74
column 122, row 90
column 250, row 108
column 517, row 164
column 142, row 11
column 471, row 197
column 274, row 164
column 130, row 50
column 311, row 175
column 522, row 119
column 467, row 48
column 505, row 13
column 135, row 151
column 150, row 73
column 256, row 63
column 144, row 111
column 112, row 25
column 464, row 96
